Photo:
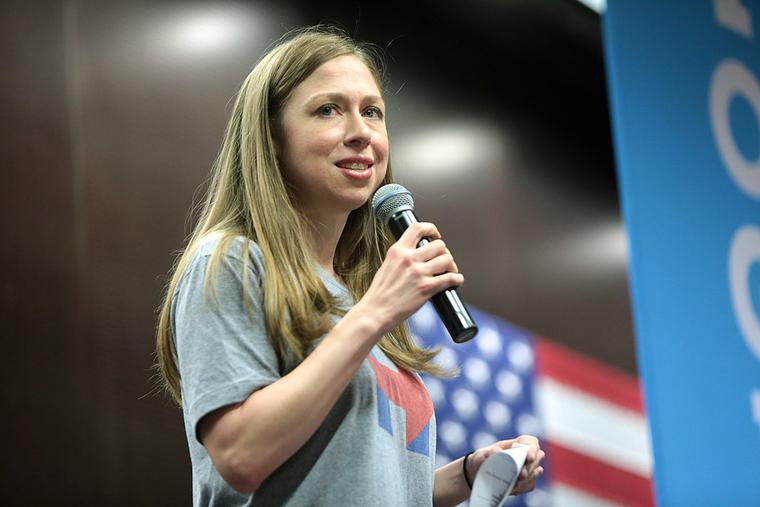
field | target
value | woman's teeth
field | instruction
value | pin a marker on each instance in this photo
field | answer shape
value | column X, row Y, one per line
column 355, row 167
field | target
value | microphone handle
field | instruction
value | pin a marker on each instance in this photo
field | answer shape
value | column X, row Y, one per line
column 458, row 321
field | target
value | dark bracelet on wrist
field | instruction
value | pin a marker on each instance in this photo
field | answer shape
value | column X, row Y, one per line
column 464, row 470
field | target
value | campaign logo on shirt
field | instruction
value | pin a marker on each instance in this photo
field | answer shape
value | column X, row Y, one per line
column 406, row 391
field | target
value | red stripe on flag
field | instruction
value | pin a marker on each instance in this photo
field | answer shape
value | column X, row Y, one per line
column 570, row 368
column 596, row 477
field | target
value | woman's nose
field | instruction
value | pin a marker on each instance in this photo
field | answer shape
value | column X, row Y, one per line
column 358, row 133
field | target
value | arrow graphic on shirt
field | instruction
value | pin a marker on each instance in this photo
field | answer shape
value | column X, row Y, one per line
column 406, row 391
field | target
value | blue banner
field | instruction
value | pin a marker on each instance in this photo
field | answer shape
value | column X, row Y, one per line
column 685, row 95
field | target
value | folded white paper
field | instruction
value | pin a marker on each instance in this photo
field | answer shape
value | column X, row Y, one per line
column 497, row 476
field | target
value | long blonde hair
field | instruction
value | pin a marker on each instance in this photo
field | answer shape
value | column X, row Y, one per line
column 247, row 195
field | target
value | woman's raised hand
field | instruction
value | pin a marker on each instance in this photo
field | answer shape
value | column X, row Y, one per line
column 530, row 471
column 409, row 276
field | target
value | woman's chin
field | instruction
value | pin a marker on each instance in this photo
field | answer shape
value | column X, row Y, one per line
column 355, row 200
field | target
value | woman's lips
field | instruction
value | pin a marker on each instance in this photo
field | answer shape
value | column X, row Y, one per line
column 356, row 171
column 356, row 168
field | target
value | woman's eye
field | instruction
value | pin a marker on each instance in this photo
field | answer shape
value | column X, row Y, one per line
column 327, row 110
column 373, row 112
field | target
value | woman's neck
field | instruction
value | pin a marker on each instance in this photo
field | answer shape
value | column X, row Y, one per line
column 323, row 235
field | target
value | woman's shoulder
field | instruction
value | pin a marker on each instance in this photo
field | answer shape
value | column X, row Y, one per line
column 222, row 255
column 234, row 250
column 234, row 246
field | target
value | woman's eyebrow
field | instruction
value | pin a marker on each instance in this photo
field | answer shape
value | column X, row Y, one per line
column 340, row 97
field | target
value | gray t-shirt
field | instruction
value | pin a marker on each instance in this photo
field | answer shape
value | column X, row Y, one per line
column 375, row 448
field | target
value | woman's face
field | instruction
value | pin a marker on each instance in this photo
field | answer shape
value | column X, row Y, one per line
column 333, row 145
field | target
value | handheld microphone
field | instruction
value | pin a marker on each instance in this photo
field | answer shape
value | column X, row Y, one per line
column 393, row 204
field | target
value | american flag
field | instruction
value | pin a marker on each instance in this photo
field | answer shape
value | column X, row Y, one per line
column 588, row 415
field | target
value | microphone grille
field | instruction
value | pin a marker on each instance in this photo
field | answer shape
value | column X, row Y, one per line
column 390, row 199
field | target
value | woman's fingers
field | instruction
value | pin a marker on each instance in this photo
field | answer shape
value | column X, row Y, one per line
column 535, row 462
column 416, row 232
column 409, row 275
column 531, row 470
column 535, row 454
column 524, row 487
column 527, row 482
column 435, row 284
column 432, row 250
column 529, row 440
column 529, row 473
column 434, row 259
column 440, row 264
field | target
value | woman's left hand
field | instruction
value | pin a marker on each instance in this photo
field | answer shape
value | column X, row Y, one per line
column 530, row 471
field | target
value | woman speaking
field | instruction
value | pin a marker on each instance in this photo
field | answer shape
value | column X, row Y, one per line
column 282, row 331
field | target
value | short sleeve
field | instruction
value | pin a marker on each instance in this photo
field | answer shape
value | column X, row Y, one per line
column 223, row 352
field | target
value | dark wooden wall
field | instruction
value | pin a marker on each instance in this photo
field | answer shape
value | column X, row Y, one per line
column 38, row 309
column 110, row 123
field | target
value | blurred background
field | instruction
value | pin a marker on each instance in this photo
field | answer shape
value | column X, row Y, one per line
column 113, row 114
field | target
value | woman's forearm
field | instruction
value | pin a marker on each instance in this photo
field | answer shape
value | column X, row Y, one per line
column 248, row 441
column 449, row 486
